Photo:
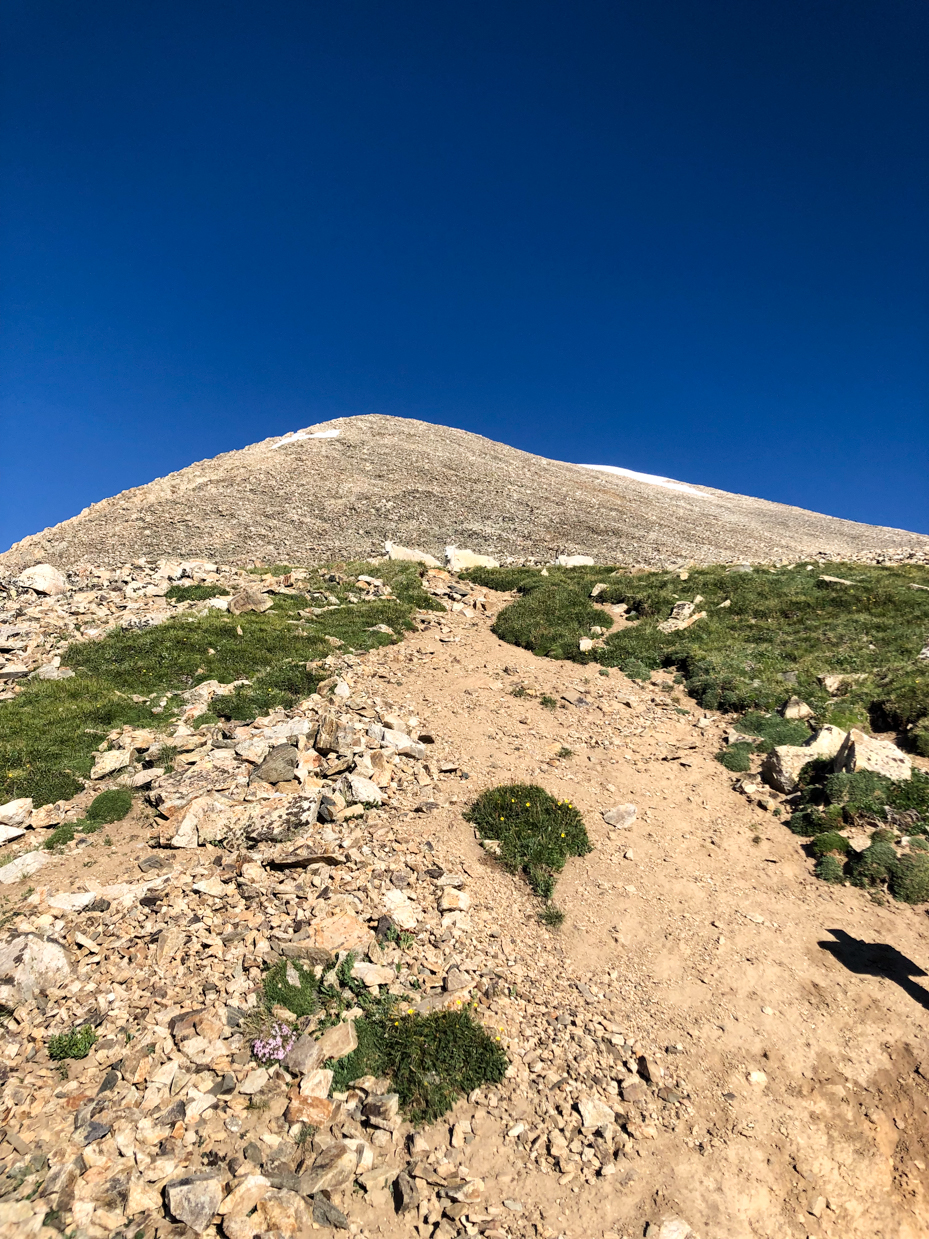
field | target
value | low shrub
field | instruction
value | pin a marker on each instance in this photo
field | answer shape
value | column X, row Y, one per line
column 830, row 869
column 60, row 836
column 736, row 757
column 909, row 879
column 196, row 593
column 430, row 1060
column 290, row 984
column 537, row 833
column 110, row 806
column 74, row 1044
column 874, row 865
column 829, row 841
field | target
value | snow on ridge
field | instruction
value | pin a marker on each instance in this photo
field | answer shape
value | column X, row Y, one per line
column 297, row 436
column 652, row 478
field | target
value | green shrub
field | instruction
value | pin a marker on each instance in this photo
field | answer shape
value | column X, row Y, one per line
column 74, row 1044
column 110, row 806
column 537, row 833
column 773, row 729
column 874, row 865
column 281, row 990
column 430, row 1060
column 60, row 836
column 830, row 869
column 909, row 879
column 196, row 593
column 829, row 841
column 737, row 757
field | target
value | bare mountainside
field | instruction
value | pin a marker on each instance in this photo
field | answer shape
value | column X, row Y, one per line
column 323, row 496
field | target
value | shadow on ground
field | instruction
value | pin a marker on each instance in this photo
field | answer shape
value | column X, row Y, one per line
column 878, row 959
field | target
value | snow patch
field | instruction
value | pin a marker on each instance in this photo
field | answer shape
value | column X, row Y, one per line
column 297, row 436
column 651, row 478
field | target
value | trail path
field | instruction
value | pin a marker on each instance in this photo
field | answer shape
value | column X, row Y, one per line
column 700, row 926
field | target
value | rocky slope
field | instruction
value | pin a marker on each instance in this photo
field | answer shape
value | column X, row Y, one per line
column 688, row 1056
column 341, row 489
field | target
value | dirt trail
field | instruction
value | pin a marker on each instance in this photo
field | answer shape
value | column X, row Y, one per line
column 701, row 926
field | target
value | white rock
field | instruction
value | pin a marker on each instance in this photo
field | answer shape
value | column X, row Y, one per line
column 8, row 833
column 781, row 768
column 362, row 790
column 16, row 812
column 574, row 561
column 31, row 965
column 669, row 1228
column 110, row 762
column 22, row 867
column 861, row 752
column 393, row 551
column 458, row 560
column 622, row 815
column 373, row 974
column 44, row 579
column 401, row 910
column 594, row 1112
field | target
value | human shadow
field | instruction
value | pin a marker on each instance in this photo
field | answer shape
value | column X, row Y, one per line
column 878, row 959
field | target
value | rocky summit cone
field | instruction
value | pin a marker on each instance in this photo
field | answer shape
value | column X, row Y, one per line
column 341, row 489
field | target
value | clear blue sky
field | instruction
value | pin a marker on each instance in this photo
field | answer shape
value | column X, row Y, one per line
column 687, row 238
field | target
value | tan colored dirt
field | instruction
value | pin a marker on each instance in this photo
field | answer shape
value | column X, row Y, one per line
column 713, row 935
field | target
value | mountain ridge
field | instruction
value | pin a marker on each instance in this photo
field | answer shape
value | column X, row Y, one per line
column 340, row 489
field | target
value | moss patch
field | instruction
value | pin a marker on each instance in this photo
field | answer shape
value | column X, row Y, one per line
column 431, row 1060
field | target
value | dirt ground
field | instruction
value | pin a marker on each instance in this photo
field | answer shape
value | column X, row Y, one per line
column 703, row 926
column 794, row 1010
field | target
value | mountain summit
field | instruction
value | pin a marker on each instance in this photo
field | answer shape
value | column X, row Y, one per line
column 342, row 488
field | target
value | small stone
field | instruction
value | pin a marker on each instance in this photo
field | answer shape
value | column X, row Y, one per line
column 194, row 1201
column 622, row 816
column 452, row 900
column 246, row 1194
column 594, row 1112
column 250, row 600
column 406, row 1193
column 109, row 762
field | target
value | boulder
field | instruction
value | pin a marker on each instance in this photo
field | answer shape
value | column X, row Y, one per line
column 334, row 1167
column 108, row 763
column 342, row 932
column 250, row 600
column 861, row 752
column 284, row 1214
column 16, row 812
column 459, row 560
column 359, row 790
column 44, row 579
column 22, row 867
column 278, row 766
column 574, row 561
column 31, row 965
column 793, row 707
column 781, row 768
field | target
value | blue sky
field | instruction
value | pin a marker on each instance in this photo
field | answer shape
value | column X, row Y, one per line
column 684, row 238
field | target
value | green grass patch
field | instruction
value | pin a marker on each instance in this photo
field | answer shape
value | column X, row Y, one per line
column 50, row 730
column 430, row 1060
column 290, row 984
column 537, row 833
column 783, row 629
column 196, row 593
column 110, row 806
column 74, row 1044
column 737, row 757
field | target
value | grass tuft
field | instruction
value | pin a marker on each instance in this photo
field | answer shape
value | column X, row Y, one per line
column 196, row 593
column 300, row 998
column 110, row 806
column 74, row 1044
column 537, row 833
column 431, row 1060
